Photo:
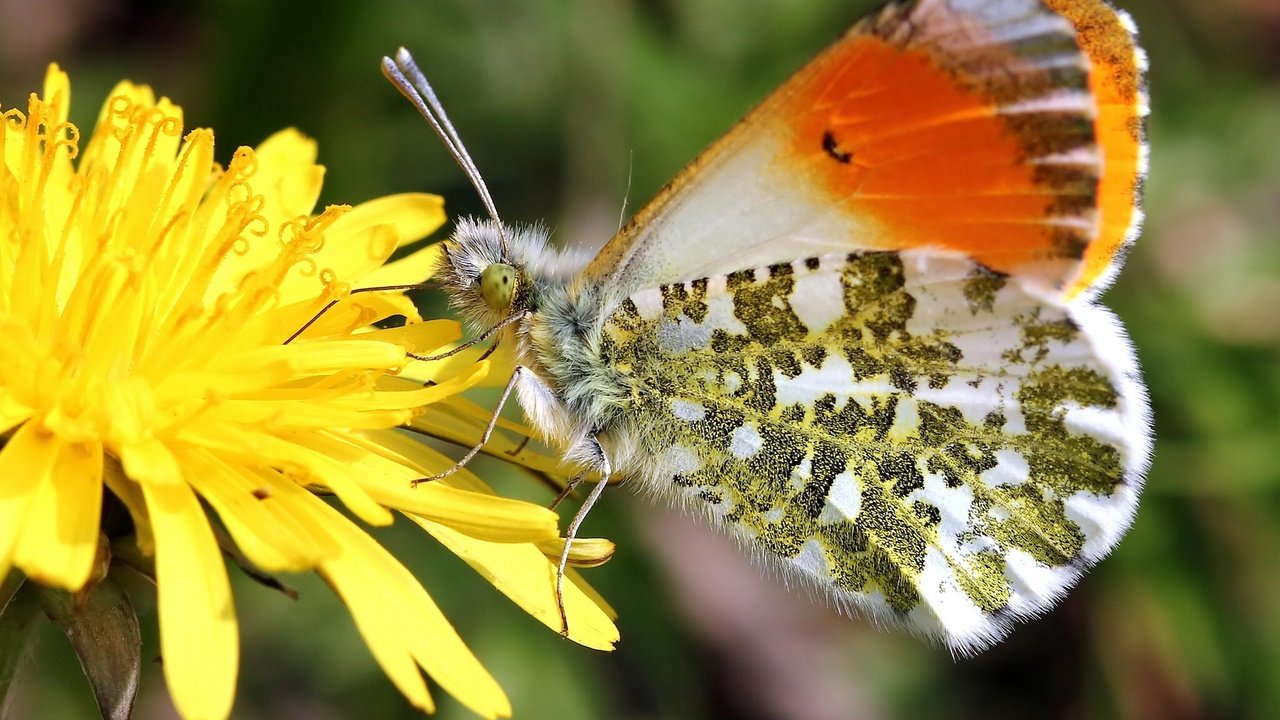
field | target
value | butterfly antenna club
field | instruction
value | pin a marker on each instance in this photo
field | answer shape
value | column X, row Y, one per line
column 404, row 73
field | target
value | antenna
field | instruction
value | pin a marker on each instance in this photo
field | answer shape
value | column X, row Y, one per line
column 403, row 72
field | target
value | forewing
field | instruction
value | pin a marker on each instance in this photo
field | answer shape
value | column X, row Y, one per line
column 1007, row 130
column 927, row 440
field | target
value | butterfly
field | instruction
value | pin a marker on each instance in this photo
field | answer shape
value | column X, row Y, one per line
column 859, row 332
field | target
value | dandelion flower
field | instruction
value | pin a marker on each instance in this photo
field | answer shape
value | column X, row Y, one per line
column 148, row 303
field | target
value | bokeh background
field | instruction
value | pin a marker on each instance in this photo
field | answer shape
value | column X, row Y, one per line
column 571, row 107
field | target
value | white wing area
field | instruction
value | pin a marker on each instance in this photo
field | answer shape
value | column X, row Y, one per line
column 741, row 210
column 925, row 442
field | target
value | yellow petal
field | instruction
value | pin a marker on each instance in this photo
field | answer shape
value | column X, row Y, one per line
column 573, row 576
column 483, row 516
column 471, row 418
column 435, row 393
column 462, row 422
column 142, row 181
column 287, row 175
column 183, row 197
column 399, row 622
column 60, row 537
column 283, row 175
column 430, row 461
column 421, row 338
column 26, row 461
column 138, row 151
column 475, row 511
column 12, row 411
column 348, row 258
column 412, row 215
column 130, row 493
column 523, row 573
column 360, row 240
column 57, row 92
column 353, row 255
column 412, row 269
column 323, row 357
column 585, row 552
column 259, row 510
column 150, row 461
column 502, row 360
column 197, row 622
column 135, row 94
column 352, row 312
column 387, row 477
column 104, row 148
column 328, row 462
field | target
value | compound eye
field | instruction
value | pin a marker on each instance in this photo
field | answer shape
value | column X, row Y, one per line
column 498, row 286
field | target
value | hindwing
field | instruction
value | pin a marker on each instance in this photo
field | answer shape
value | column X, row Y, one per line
column 928, row 440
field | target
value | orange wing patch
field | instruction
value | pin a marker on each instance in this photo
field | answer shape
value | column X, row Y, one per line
column 955, row 132
column 1116, row 81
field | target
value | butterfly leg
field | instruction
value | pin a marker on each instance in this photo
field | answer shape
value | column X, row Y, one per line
column 568, row 488
column 605, row 471
column 488, row 431
column 516, row 317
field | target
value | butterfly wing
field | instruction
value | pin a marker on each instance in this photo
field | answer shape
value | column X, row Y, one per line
column 1006, row 130
column 919, row 437
column 851, row 332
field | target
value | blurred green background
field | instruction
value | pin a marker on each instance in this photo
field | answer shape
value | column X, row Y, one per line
column 564, row 105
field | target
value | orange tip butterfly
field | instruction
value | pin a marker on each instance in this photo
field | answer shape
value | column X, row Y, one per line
column 859, row 332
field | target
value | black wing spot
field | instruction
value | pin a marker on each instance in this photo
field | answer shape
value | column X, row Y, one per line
column 832, row 147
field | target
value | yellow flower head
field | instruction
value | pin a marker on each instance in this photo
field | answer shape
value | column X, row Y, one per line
column 148, row 305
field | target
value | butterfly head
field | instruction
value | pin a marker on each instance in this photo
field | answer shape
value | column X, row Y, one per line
column 484, row 269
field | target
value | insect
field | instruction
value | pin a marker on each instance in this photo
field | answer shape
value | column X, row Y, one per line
column 859, row 331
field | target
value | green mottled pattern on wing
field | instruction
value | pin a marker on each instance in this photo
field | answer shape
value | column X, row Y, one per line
column 908, row 432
